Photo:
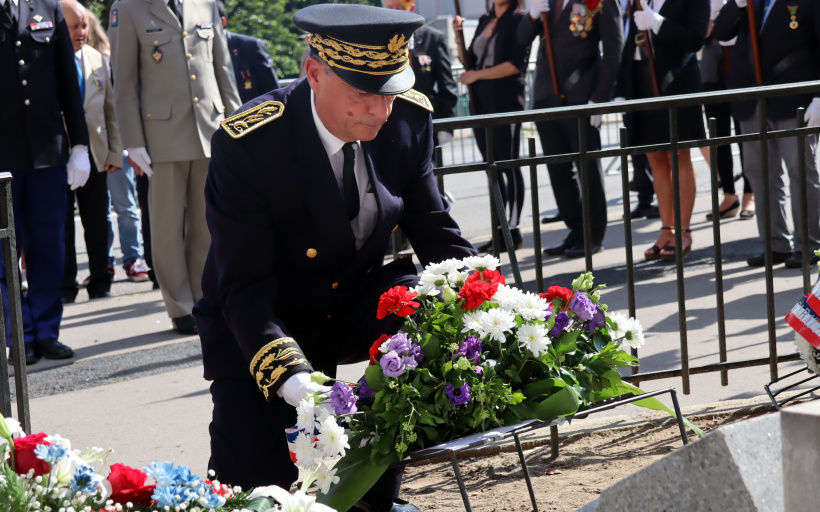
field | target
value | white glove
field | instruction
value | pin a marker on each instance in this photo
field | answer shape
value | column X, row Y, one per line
column 618, row 99
column 741, row 3
column 595, row 120
column 78, row 167
column 444, row 138
column 298, row 386
column 647, row 19
column 141, row 158
column 812, row 117
column 717, row 5
column 537, row 7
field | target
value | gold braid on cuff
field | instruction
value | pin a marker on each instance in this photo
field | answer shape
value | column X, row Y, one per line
column 279, row 357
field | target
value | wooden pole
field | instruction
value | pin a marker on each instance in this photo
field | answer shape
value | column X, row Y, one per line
column 550, row 54
column 750, row 10
column 650, row 56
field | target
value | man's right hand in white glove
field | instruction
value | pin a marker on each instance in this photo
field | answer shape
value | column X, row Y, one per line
column 298, row 386
column 741, row 3
column 141, row 161
column 537, row 7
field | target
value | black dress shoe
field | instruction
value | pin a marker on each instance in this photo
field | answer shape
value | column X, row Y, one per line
column 577, row 250
column 53, row 349
column 644, row 210
column 553, row 218
column 184, row 324
column 69, row 298
column 31, row 355
column 760, row 259
column 99, row 295
column 557, row 250
column 796, row 260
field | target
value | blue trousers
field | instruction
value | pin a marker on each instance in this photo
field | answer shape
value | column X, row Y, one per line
column 39, row 222
column 123, row 191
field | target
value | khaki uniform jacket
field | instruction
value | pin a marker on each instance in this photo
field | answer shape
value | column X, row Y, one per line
column 103, row 132
column 174, row 83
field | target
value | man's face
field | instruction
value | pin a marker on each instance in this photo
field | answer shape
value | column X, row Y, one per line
column 77, row 22
column 399, row 5
column 348, row 113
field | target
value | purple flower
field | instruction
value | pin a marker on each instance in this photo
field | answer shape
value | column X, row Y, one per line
column 364, row 390
column 415, row 351
column 399, row 343
column 478, row 370
column 599, row 320
column 409, row 362
column 342, row 398
column 392, row 365
column 561, row 320
column 458, row 396
column 582, row 306
column 548, row 314
column 469, row 348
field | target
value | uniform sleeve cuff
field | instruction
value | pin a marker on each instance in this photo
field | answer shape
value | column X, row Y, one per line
column 275, row 363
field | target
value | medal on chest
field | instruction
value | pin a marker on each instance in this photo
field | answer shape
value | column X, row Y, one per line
column 793, row 15
column 582, row 17
column 246, row 75
column 157, row 54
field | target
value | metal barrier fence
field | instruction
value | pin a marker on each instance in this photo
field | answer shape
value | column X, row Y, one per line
column 582, row 158
column 18, row 356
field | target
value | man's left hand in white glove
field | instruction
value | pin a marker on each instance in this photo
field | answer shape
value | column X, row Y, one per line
column 812, row 117
column 595, row 120
column 78, row 167
column 647, row 19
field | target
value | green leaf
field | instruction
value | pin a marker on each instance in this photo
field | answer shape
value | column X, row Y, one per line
column 376, row 380
column 562, row 403
column 357, row 474
column 543, row 387
column 656, row 405
column 565, row 344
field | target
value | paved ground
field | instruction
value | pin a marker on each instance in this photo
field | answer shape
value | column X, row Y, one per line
column 136, row 386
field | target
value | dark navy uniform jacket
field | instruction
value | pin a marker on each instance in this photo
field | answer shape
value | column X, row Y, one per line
column 39, row 87
column 252, row 66
column 434, row 74
column 283, row 260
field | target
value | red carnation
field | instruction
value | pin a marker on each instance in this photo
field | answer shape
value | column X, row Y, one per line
column 24, row 457
column 565, row 294
column 128, row 485
column 375, row 354
column 397, row 300
column 477, row 293
column 490, row 276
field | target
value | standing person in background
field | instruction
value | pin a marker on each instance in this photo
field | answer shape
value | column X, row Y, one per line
column 174, row 82
column 584, row 76
column 122, row 189
column 498, row 67
column 252, row 64
column 677, row 30
column 42, row 150
column 789, row 42
column 106, row 157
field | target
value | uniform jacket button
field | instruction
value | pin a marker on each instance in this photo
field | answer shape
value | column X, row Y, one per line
column 196, row 100
column 193, row 77
column 21, row 62
column 18, row 43
column 27, row 102
column 335, row 285
column 311, row 253
column 24, row 82
column 185, row 34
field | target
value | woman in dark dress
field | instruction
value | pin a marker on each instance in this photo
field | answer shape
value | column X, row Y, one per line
column 677, row 30
column 498, row 65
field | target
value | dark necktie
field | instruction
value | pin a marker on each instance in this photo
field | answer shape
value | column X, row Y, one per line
column 175, row 8
column 10, row 12
column 351, row 189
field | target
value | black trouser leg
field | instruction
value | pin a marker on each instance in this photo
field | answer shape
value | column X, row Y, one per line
column 93, row 201
column 723, row 118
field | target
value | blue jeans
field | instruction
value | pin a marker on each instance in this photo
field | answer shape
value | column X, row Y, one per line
column 123, row 192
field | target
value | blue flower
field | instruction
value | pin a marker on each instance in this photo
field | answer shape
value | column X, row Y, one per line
column 167, row 496
column 84, row 480
column 458, row 395
column 162, row 472
column 182, row 476
column 50, row 454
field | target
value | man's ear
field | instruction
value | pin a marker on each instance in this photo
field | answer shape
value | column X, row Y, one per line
column 313, row 72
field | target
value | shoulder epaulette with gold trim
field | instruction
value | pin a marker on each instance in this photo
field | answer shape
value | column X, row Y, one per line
column 243, row 123
column 279, row 358
column 413, row 96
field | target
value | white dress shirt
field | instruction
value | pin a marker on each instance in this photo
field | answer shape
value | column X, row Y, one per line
column 364, row 223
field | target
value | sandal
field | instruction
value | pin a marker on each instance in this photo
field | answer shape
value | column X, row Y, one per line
column 654, row 252
column 668, row 252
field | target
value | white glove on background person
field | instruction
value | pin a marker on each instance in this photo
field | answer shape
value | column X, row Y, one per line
column 141, row 158
column 78, row 167
column 298, row 386
column 444, row 138
column 741, row 3
column 537, row 7
column 595, row 120
column 717, row 5
column 647, row 19
column 812, row 117
column 618, row 99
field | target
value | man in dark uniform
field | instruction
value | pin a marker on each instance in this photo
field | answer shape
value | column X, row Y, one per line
column 583, row 77
column 789, row 41
column 252, row 65
column 41, row 117
column 305, row 186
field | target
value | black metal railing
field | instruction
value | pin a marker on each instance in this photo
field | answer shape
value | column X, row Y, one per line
column 584, row 155
column 18, row 355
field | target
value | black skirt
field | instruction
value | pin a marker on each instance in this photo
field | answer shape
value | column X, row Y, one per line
column 652, row 126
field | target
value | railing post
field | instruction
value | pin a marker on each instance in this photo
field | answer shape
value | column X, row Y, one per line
column 804, row 202
column 536, row 223
column 583, row 174
column 630, row 262
column 767, row 235
column 684, row 340
column 721, row 307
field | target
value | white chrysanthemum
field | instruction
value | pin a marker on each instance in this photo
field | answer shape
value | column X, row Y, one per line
column 425, row 290
column 332, row 439
column 496, row 323
column 59, row 440
column 305, row 451
column 633, row 336
column 808, row 353
column 507, row 297
column 306, row 414
column 472, row 321
column 532, row 307
column 534, row 337
column 457, row 279
column 488, row 262
column 428, row 278
column 325, row 478
column 619, row 323
column 324, row 411
column 444, row 267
